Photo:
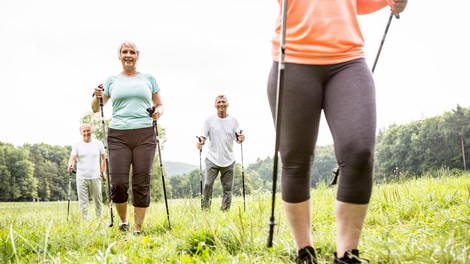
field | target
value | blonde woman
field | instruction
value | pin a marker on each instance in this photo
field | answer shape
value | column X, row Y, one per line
column 131, row 137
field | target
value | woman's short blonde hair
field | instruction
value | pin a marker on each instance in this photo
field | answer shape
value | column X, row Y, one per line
column 129, row 44
column 221, row 96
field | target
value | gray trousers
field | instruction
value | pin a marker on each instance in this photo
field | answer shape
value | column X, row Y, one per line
column 90, row 187
column 226, row 178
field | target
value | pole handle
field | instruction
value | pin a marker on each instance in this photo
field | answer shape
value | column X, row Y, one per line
column 237, row 134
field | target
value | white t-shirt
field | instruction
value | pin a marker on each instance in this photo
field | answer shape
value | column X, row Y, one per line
column 221, row 134
column 88, row 158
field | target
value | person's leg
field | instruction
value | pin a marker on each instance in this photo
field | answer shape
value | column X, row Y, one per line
column 139, row 216
column 349, row 221
column 299, row 218
column 120, row 157
column 351, row 115
column 121, row 209
column 300, row 118
column 212, row 171
column 144, row 143
column 96, row 196
column 82, row 192
column 226, row 178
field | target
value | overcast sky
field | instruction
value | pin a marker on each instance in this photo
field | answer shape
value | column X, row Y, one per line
column 55, row 52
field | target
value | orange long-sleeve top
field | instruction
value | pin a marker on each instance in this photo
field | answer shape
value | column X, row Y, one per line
column 321, row 32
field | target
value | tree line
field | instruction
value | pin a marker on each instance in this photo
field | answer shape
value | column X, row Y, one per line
column 36, row 172
column 425, row 145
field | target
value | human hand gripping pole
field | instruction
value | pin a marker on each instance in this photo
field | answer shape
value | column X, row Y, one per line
column 279, row 95
column 110, row 203
column 200, row 170
column 150, row 111
column 243, row 169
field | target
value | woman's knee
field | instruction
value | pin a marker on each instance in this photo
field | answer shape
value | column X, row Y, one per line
column 119, row 194
column 296, row 182
column 356, row 177
column 356, row 154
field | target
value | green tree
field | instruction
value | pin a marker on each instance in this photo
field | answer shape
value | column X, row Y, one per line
column 457, row 127
column 6, row 190
column 50, row 163
column 195, row 181
column 421, row 146
column 24, row 185
column 254, row 180
column 323, row 165
column 238, row 179
column 264, row 168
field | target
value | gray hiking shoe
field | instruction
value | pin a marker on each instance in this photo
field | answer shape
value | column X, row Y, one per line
column 124, row 227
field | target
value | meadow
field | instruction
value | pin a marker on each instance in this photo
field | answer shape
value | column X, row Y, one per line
column 424, row 220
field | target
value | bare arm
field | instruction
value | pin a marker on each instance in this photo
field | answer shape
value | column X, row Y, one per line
column 370, row 6
column 72, row 160
column 103, row 166
column 157, row 102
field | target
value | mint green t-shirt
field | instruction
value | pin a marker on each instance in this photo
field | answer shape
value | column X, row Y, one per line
column 130, row 96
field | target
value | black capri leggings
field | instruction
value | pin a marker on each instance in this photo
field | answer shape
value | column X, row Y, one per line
column 134, row 147
column 346, row 93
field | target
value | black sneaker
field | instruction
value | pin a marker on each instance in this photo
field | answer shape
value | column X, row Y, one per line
column 350, row 257
column 306, row 255
column 124, row 227
column 137, row 233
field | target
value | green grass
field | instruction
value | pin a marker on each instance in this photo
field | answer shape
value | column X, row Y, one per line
column 425, row 220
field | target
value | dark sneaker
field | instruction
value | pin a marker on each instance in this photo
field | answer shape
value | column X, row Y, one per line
column 351, row 256
column 124, row 227
column 137, row 232
column 306, row 255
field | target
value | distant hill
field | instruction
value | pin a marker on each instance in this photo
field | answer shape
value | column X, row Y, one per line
column 178, row 168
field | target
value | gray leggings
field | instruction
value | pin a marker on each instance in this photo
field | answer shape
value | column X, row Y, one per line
column 346, row 94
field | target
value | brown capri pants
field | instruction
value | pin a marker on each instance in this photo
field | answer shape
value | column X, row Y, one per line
column 134, row 147
column 346, row 94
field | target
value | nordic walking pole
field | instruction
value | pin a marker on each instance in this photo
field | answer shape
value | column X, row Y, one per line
column 243, row 170
column 383, row 40
column 150, row 111
column 279, row 96
column 107, row 160
column 336, row 170
column 200, row 171
column 70, row 187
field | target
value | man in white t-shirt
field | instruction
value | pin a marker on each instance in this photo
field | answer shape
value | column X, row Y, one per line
column 91, row 165
column 221, row 130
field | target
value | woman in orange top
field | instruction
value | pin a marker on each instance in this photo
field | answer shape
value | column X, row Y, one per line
column 325, row 70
